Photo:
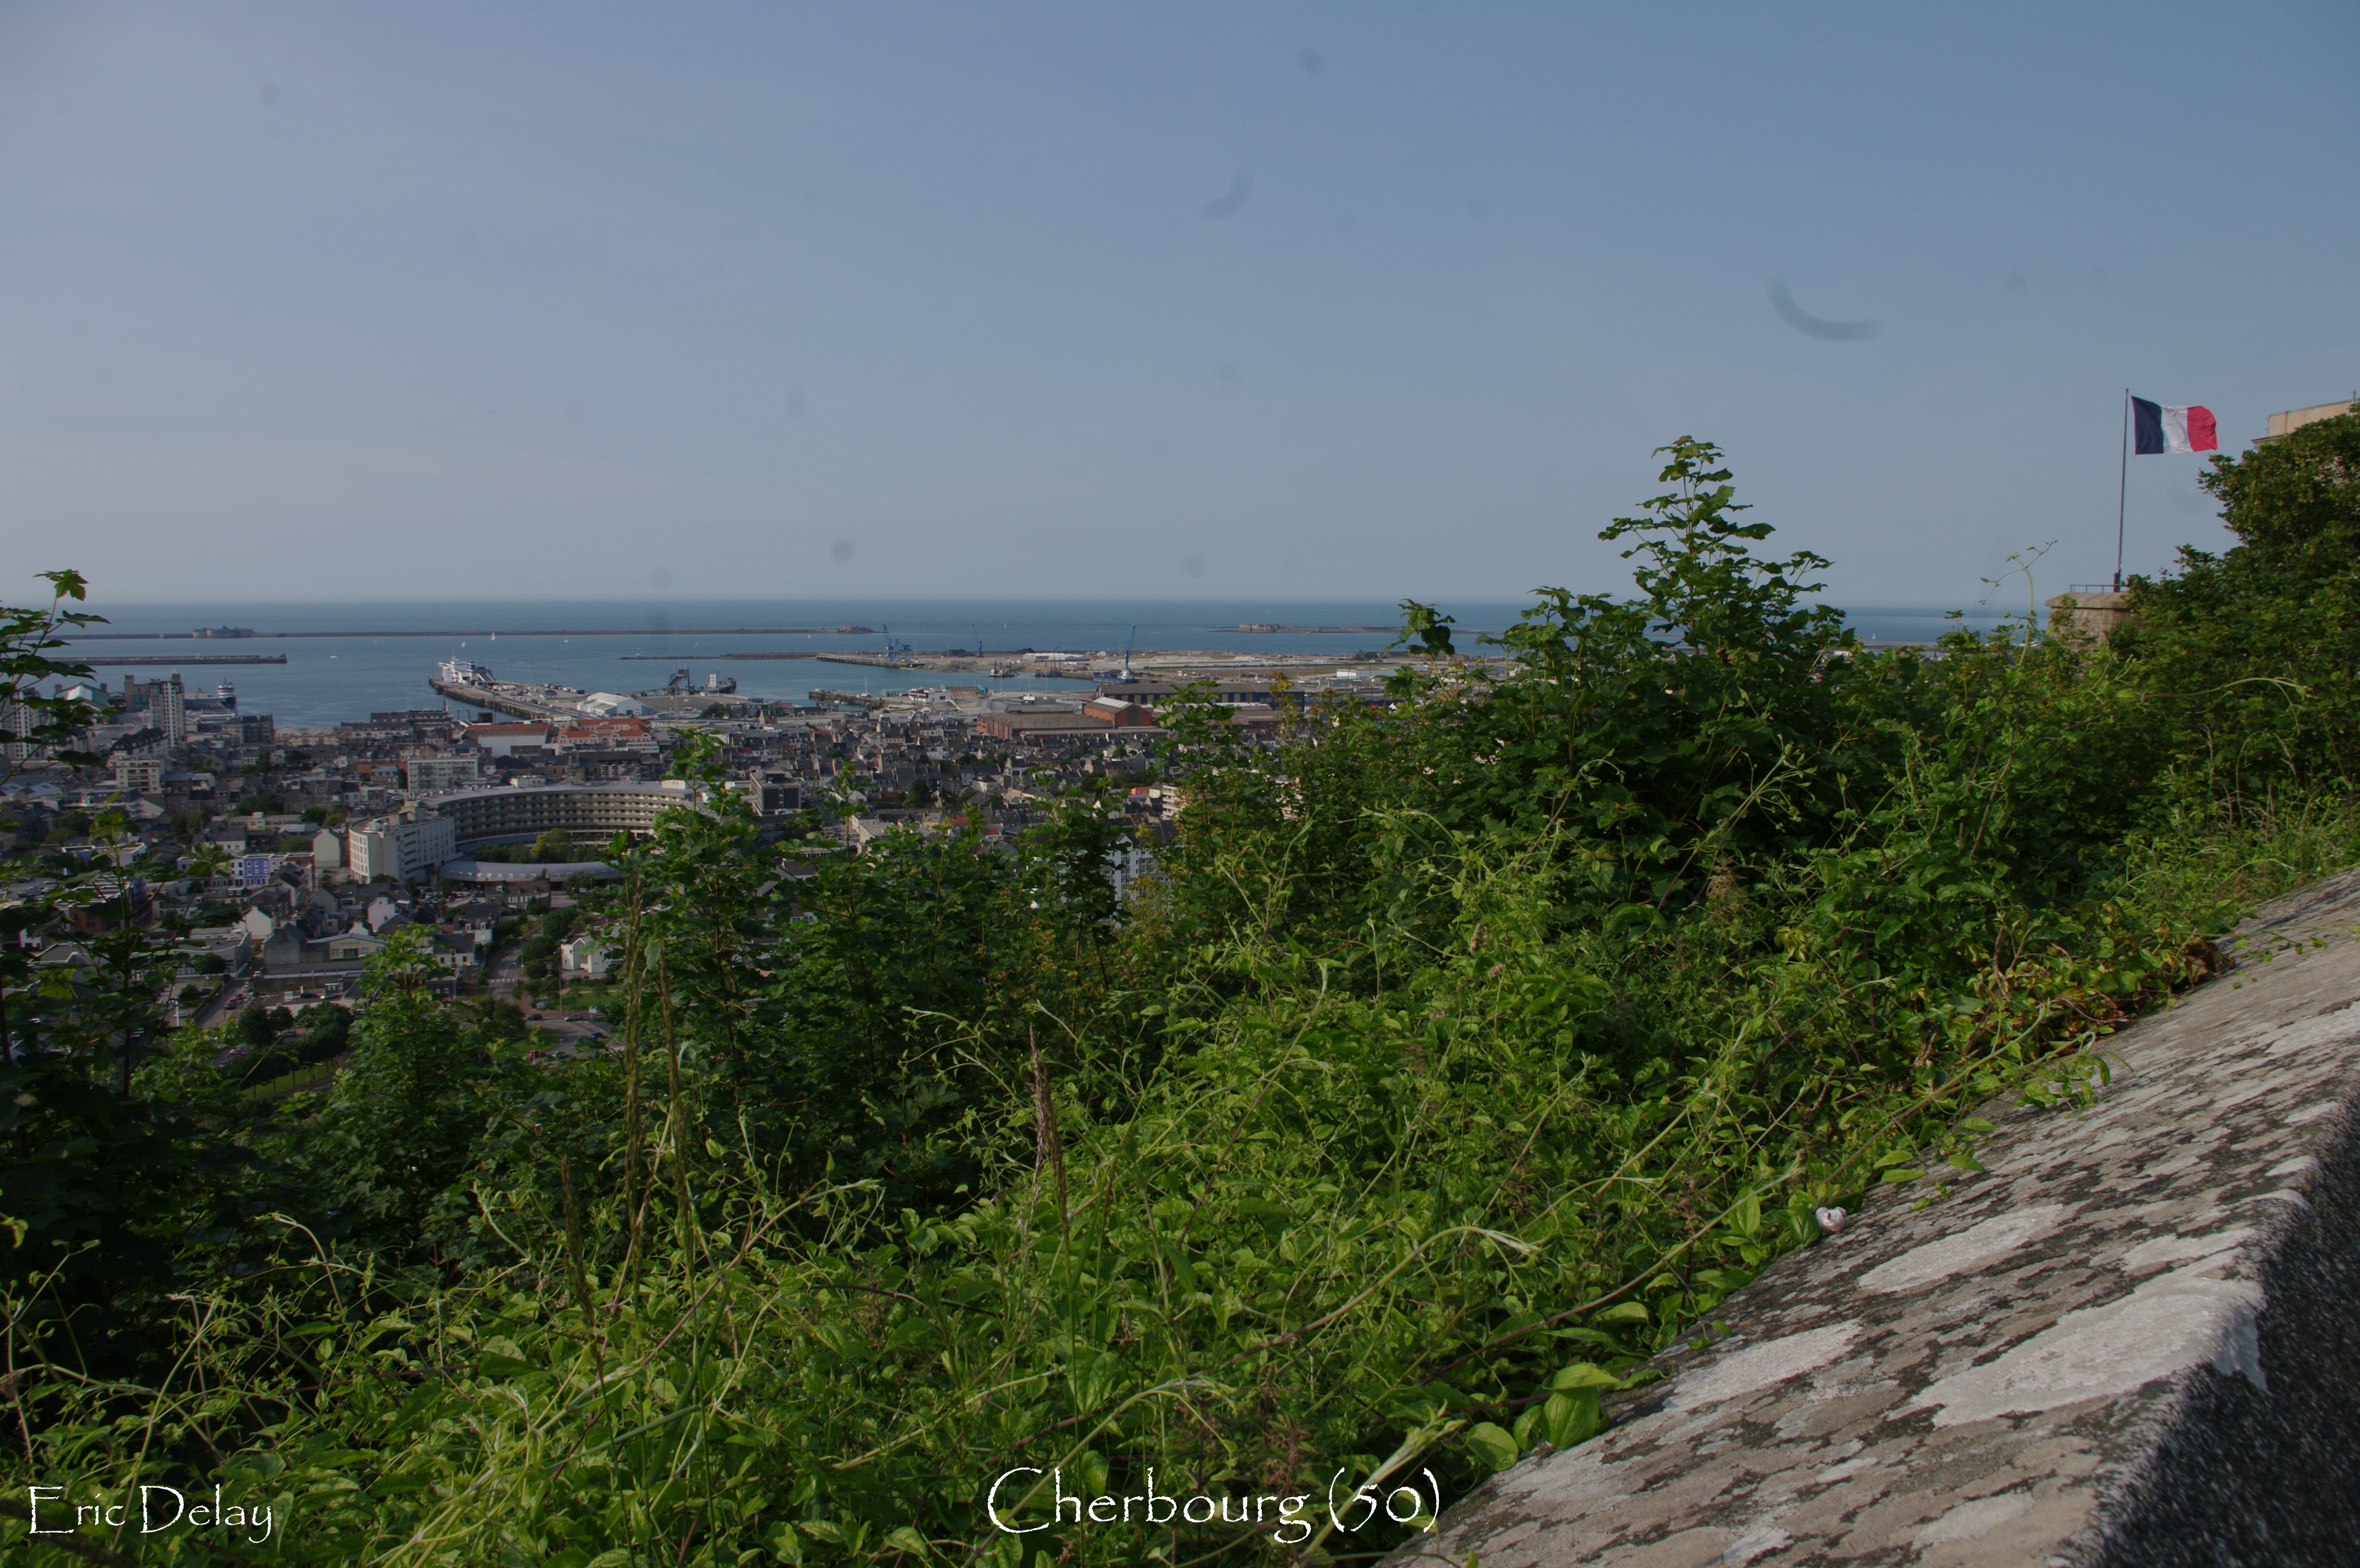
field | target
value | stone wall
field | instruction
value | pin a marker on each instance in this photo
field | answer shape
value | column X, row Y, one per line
column 2134, row 1340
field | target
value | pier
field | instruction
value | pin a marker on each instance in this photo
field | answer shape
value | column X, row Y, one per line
column 708, row 658
column 498, row 701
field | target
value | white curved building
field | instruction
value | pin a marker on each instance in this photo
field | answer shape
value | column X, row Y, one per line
column 584, row 810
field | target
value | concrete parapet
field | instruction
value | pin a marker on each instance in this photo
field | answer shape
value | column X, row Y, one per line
column 2093, row 614
column 2134, row 1339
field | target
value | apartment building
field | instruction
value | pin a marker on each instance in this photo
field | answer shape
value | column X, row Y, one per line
column 405, row 847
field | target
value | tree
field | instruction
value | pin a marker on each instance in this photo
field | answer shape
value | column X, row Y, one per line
column 554, row 847
column 500, row 1020
column 2253, row 652
column 27, row 637
column 326, row 1030
column 403, row 1114
column 257, row 1025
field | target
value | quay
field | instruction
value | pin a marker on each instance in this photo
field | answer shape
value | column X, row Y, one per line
column 500, row 701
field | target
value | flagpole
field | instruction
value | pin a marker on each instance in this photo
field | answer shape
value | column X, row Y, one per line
column 2122, row 489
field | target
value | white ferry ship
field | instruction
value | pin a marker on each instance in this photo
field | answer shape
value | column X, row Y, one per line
column 464, row 673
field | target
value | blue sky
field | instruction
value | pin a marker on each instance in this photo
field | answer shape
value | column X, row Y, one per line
column 1211, row 300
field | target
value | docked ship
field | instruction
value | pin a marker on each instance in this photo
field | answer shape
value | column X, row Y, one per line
column 464, row 672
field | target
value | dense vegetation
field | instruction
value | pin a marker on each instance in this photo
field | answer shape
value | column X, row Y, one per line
column 1461, row 1055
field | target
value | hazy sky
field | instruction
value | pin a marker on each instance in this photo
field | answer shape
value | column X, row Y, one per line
column 378, row 300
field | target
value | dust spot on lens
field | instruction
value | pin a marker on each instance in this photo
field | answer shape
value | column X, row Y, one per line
column 1228, row 374
column 1810, row 325
column 841, row 549
column 1194, row 566
column 796, row 406
column 1240, row 192
column 2014, row 281
column 269, row 93
column 1312, row 60
column 660, row 578
column 574, row 413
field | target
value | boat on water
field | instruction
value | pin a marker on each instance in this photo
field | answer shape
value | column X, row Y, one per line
column 465, row 673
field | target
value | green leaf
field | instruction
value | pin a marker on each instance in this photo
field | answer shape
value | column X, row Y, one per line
column 1525, row 1424
column 1492, row 1445
column 1902, row 1175
column 1623, row 1312
column 1569, row 1419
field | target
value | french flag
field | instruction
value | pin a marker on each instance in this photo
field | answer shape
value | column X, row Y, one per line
column 2161, row 429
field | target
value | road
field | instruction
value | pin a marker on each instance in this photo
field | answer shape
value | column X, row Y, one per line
column 501, row 971
column 217, row 1010
column 577, row 1039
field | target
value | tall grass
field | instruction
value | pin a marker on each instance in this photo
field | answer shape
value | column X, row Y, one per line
column 1318, row 1234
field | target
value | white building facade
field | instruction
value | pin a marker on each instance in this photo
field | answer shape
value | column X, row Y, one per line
column 407, row 849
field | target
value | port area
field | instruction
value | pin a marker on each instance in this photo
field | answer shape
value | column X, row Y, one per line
column 1151, row 671
column 563, row 705
column 1160, row 663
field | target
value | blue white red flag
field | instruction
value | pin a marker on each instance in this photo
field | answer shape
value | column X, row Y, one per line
column 2160, row 428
